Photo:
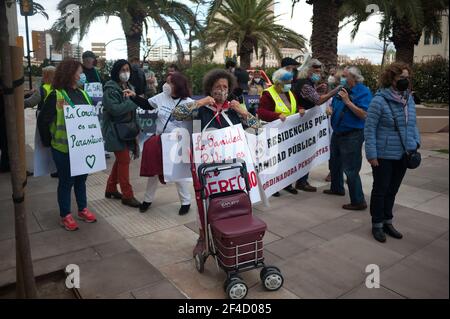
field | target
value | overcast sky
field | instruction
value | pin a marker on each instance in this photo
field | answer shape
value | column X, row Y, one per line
column 366, row 43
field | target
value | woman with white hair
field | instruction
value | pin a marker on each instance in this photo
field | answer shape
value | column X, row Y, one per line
column 309, row 94
column 348, row 119
column 278, row 102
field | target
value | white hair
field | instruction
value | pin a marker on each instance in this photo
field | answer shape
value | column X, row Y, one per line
column 307, row 66
column 279, row 74
column 356, row 72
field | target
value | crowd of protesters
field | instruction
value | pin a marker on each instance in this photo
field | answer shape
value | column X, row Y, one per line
column 385, row 122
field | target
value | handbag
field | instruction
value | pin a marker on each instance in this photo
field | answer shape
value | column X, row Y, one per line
column 411, row 159
column 127, row 130
column 152, row 161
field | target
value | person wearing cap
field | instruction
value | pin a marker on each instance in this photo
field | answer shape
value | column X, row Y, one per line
column 90, row 71
column 308, row 92
column 278, row 102
column 291, row 65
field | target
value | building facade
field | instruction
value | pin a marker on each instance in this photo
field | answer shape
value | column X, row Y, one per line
column 431, row 45
column 99, row 49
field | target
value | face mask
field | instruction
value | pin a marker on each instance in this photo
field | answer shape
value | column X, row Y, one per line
column 343, row 81
column 124, row 76
column 167, row 89
column 331, row 79
column 82, row 80
column 220, row 95
column 287, row 87
column 402, row 85
column 257, row 80
column 315, row 77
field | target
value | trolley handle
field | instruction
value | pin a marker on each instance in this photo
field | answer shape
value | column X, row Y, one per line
column 222, row 166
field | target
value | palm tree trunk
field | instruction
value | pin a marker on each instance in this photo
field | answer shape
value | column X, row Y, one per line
column 133, row 46
column 404, row 38
column 246, row 60
column 15, row 126
column 325, row 32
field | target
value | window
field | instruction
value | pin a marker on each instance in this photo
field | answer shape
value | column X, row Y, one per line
column 437, row 39
column 427, row 39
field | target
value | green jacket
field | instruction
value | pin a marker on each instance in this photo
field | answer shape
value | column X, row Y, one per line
column 116, row 108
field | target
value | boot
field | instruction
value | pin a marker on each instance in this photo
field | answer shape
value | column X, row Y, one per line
column 132, row 202
column 378, row 234
column 391, row 231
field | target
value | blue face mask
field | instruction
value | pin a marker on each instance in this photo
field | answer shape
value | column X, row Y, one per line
column 315, row 77
column 287, row 87
column 343, row 81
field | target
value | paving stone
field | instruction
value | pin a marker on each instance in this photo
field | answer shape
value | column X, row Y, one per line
column 167, row 246
column 113, row 248
column 163, row 289
column 362, row 292
column 422, row 275
column 294, row 244
column 7, row 221
column 437, row 206
column 116, row 275
column 339, row 226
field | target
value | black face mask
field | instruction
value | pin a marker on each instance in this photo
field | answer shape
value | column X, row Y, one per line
column 402, row 85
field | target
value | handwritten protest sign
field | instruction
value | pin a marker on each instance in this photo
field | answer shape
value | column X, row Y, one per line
column 286, row 151
column 85, row 140
column 225, row 145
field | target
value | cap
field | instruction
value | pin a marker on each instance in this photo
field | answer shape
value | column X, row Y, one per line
column 89, row 54
column 288, row 61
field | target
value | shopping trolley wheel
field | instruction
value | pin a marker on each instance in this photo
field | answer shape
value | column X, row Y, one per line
column 272, row 279
column 199, row 260
column 229, row 280
column 266, row 269
column 236, row 288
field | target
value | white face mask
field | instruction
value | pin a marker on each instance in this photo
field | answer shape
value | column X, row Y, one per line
column 124, row 76
column 167, row 89
column 331, row 79
column 257, row 80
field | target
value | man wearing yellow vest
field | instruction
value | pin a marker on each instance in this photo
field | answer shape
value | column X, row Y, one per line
column 278, row 102
column 52, row 129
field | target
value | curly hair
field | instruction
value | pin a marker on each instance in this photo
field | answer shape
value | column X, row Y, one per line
column 215, row 75
column 64, row 74
column 390, row 72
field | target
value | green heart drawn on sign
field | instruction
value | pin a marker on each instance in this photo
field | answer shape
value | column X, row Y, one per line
column 90, row 160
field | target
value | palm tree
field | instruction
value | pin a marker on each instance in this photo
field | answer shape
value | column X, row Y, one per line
column 251, row 25
column 134, row 15
column 404, row 21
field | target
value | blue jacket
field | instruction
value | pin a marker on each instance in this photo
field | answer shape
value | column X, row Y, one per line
column 382, row 140
column 361, row 96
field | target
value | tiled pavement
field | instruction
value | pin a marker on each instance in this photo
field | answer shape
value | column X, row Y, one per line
column 321, row 249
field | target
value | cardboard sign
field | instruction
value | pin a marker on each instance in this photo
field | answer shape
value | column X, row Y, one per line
column 85, row 140
column 225, row 145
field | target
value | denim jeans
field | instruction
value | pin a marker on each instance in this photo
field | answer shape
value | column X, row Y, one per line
column 65, row 183
column 387, row 178
column 346, row 158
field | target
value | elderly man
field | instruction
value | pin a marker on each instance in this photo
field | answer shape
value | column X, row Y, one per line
column 307, row 90
column 349, row 114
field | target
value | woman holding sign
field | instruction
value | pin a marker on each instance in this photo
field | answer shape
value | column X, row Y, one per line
column 278, row 102
column 52, row 129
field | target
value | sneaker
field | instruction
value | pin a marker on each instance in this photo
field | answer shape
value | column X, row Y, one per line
column 144, row 206
column 132, row 202
column 87, row 216
column 184, row 209
column 69, row 223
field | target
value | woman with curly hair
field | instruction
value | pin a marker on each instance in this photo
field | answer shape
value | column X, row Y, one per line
column 216, row 110
column 52, row 129
column 390, row 131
